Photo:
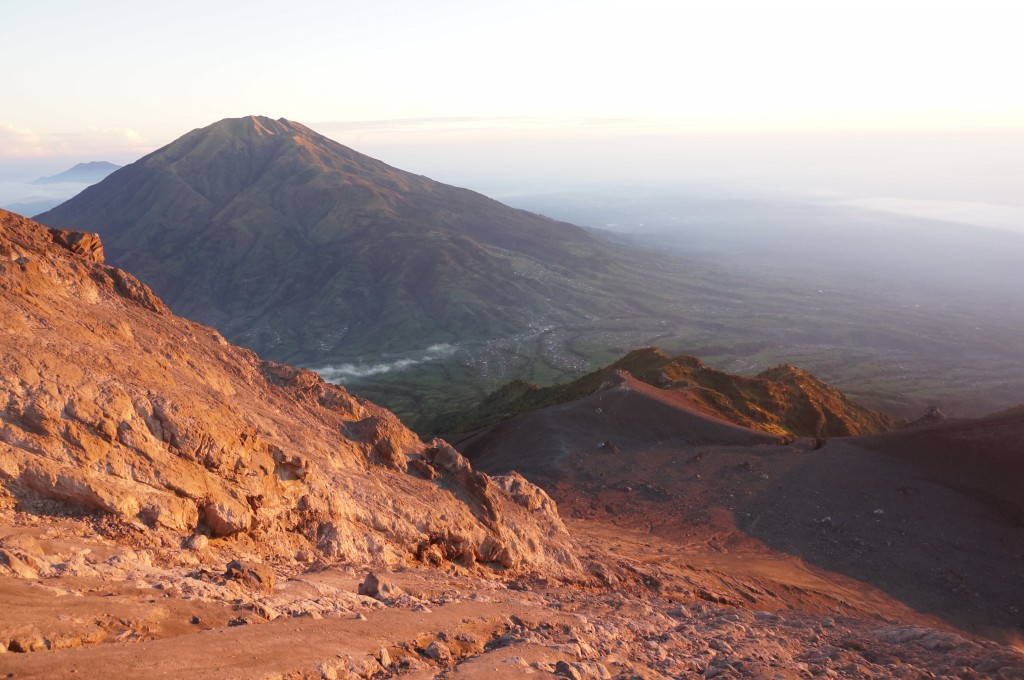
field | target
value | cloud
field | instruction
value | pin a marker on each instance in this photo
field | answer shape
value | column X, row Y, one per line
column 405, row 124
column 98, row 139
column 19, row 142
column 425, row 127
column 339, row 373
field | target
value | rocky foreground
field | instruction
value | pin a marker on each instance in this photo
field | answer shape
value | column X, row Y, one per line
column 111, row 404
column 84, row 596
column 172, row 506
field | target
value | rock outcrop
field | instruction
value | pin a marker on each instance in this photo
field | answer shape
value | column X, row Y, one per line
column 110, row 404
column 81, row 243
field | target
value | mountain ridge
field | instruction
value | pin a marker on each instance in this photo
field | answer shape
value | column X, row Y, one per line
column 783, row 400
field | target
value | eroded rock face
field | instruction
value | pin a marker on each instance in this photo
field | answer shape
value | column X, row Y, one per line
column 81, row 243
column 109, row 404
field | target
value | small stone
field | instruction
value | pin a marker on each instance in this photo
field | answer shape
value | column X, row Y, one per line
column 438, row 651
column 360, row 617
column 568, row 670
column 378, row 587
column 197, row 543
column 195, row 620
column 267, row 612
column 383, row 657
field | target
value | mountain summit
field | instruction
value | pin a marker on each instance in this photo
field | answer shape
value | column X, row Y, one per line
column 306, row 250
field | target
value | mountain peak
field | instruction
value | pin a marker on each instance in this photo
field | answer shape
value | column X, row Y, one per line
column 261, row 125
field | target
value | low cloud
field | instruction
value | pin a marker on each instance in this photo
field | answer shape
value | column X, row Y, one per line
column 340, row 373
column 29, row 199
column 411, row 124
column 90, row 144
column 1007, row 217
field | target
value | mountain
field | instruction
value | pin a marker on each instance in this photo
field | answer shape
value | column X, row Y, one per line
column 305, row 250
column 784, row 400
column 114, row 406
column 82, row 173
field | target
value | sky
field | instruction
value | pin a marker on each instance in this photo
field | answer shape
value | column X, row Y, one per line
column 865, row 99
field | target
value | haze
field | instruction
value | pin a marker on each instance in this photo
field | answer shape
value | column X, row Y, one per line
column 908, row 100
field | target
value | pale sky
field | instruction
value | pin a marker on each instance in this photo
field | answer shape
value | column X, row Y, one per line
column 114, row 80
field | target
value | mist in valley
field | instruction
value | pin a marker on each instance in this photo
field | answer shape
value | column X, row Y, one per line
column 903, row 311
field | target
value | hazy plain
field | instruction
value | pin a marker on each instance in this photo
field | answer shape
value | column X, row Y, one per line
column 903, row 312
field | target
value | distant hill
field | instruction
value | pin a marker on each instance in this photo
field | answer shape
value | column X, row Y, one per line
column 307, row 251
column 82, row 173
column 784, row 400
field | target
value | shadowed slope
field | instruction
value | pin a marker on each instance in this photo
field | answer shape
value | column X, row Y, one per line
column 925, row 518
column 920, row 514
column 542, row 444
column 983, row 457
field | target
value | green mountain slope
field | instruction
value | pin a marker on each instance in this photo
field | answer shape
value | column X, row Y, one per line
column 307, row 251
column 784, row 400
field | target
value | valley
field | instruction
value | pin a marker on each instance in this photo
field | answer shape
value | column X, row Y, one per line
column 895, row 352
